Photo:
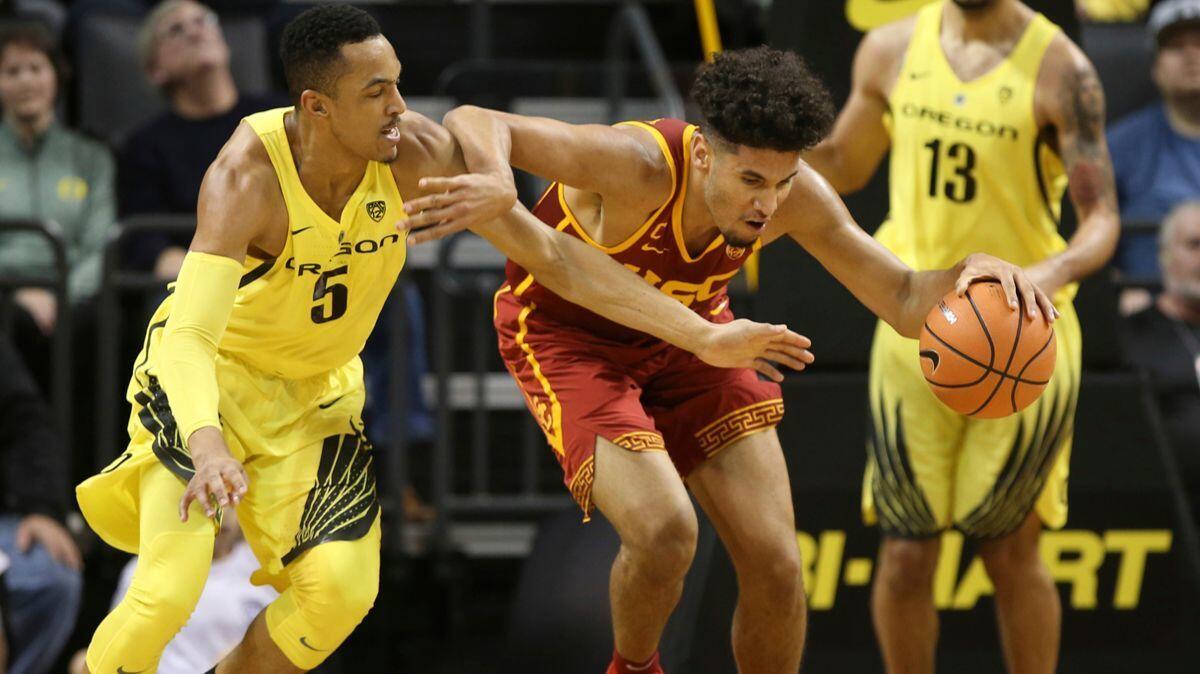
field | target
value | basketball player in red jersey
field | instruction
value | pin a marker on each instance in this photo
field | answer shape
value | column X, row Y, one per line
column 628, row 415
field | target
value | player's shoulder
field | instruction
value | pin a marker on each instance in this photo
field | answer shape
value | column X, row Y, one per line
column 890, row 40
column 1066, row 75
column 243, row 164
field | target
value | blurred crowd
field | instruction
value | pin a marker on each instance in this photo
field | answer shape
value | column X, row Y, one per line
column 152, row 160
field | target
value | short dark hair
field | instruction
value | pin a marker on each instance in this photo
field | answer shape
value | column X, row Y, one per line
column 763, row 98
column 312, row 42
column 32, row 35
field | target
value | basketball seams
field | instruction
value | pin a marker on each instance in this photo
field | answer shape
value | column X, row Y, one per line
column 991, row 359
column 971, row 360
column 1029, row 362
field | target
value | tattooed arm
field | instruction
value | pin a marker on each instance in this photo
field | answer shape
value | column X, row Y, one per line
column 1069, row 104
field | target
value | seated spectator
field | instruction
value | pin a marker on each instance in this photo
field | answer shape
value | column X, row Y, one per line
column 1156, row 151
column 227, row 606
column 1164, row 340
column 185, row 54
column 48, row 171
column 43, row 584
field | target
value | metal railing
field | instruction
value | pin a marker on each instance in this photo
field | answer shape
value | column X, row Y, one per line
column 632, row 22
column 60, row 341
column 467, row 275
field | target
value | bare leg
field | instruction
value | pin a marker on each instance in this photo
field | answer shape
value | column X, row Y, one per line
column 1028, row 608
column 643, row 497
column 257, row 654
column 745, row 492
column 906, row 621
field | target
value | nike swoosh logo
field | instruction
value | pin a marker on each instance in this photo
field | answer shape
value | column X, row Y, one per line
column 304, row 643
column 651, row 249
column 302, row 229
column 122, row 670
column 917, row 76
column 331, row 402
column 931, row 355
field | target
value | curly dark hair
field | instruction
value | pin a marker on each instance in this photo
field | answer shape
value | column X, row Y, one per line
column 763, row 98
column 312, row 42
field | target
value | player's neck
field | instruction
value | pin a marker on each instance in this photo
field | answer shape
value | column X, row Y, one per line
column 1179, row 308
column 698, row 227
column 1002, row 21
column 208, row 94
column 329, row 172
column 1183, row 113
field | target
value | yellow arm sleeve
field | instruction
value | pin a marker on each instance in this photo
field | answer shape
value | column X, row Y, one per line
column 204, row 296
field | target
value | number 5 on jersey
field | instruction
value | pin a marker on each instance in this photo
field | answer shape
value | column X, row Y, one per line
column 337, row 294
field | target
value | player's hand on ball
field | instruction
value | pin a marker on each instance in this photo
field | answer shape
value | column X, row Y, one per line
column 220, row 479
column 744, row 343
column 453, row 204
column 981, row 267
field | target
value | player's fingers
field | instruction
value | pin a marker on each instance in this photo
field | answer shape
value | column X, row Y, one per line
column 239, row 482
column 431, row 216
column 216, row 489
column 768, row 370
column 1028, row 293
column 440, row 184
column 189, row 495
column 786, row 359
column 436, row 232
column 1010, row 290
column 425, row 203
column 1049, row 311
column 796, row 352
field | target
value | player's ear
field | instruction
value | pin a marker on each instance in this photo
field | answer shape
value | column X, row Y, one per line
column 313, row 103
column 701, row 151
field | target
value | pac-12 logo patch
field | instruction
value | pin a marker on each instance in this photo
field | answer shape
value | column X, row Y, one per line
column 376, row 209
column 734, row 252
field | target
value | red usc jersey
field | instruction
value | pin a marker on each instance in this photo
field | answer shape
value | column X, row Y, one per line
column 656, row 251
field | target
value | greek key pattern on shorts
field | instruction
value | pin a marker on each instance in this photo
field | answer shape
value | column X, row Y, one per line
column 641, row 441
column 581, row 486
column 738, row 424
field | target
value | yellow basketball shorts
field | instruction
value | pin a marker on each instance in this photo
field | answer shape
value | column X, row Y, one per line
column 930, row 468
column 311, row 469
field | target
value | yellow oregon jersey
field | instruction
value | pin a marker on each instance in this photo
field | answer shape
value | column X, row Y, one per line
column 311, row 309
column 969, row 172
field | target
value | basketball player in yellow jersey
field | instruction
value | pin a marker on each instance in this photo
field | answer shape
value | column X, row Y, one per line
column 248, row 391
column 989, row 112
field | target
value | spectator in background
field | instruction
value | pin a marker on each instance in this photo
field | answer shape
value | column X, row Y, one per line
column 48, row 171
column 1164, row 340
column 43, row 584
column 1156, row 151
column 185, row 54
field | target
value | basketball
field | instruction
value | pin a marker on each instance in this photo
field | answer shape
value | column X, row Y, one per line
column 982, row 358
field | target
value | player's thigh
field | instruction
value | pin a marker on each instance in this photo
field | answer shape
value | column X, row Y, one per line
column 642, row 495
column 1014, row 464
column 913, row 442
column 746, row 494
column 321, row 493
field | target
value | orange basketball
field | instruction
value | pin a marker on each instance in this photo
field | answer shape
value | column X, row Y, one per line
column 983, row 359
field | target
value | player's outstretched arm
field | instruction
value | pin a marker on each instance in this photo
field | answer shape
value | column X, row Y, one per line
column 231, row 214
column 815, row 217
column 851, row 153
column 588, row 277
column 1069, row 98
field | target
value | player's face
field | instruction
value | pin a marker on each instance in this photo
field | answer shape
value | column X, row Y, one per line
column 1181, row 261
column 187, row 41
column 744, row 187
column 27, row 82
column 365, row 112
column 1177, row 65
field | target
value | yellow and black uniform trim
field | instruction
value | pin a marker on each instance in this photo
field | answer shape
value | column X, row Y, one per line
column 343, row 502
column 902, row 507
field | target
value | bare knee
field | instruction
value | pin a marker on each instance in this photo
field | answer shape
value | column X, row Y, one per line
column 907, row 566
column 773, row 571
column 662, row 543
column 1013, row 559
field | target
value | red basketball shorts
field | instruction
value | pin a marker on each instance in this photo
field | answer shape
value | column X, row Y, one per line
column 646, row 397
